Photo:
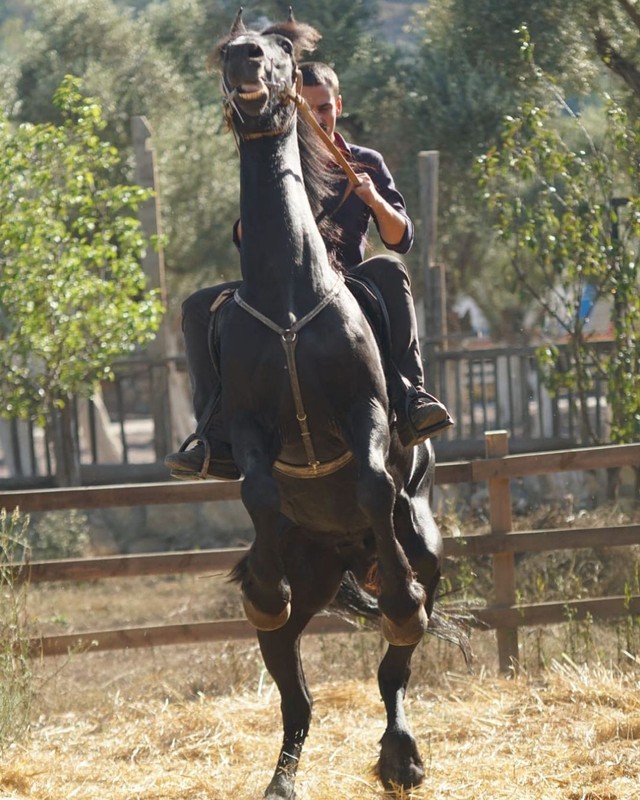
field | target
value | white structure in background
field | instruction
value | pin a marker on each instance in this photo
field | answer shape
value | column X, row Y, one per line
column 466, row 306
column 7, row 441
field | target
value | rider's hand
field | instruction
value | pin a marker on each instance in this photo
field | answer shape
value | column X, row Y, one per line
column 366, row 190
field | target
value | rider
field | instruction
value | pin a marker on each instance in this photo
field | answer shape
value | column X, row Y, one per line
column 419, row 414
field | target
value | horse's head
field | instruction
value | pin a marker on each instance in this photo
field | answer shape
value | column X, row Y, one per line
column 259, row 70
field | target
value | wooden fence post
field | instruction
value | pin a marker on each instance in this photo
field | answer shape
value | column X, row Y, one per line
column 146, row 175
column 434, row 289
column 504, row 573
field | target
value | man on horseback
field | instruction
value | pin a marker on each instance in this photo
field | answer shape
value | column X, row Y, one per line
column 419, row 415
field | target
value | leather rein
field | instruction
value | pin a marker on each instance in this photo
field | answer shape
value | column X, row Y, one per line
column 289, row 336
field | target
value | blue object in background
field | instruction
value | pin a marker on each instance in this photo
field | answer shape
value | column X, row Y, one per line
column 587, row 302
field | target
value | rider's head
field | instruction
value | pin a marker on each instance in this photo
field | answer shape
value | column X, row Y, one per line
column 321, row 90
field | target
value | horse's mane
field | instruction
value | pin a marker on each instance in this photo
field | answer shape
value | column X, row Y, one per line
column 320, row 172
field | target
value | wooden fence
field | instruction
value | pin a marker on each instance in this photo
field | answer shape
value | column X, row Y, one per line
column 484, row 387
column 502, row 543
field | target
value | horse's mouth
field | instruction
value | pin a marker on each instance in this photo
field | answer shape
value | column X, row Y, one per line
column 250, row 92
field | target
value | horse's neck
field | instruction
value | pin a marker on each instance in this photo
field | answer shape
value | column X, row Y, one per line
column 284, row 261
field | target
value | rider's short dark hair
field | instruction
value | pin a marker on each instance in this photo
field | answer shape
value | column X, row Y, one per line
column 315, row 73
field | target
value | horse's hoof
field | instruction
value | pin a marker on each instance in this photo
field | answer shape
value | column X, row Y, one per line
column 400, row 767
column 409, row 632
column 262, row 621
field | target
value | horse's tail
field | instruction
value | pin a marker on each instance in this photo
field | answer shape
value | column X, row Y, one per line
column 352, row 601
column 356, row 605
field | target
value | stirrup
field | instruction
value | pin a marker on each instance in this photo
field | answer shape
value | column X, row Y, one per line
column 204, row 470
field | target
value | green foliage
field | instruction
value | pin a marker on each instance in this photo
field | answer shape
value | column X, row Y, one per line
column 110, row 50
column 553, row 195
column 446, row 85
column 152, row 63
column 72, row 291
column 199, row 171
column 343, row 26
column 16, row 683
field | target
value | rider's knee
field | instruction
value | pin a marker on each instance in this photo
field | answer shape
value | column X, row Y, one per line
column 385, row 269
column 196, row 309
column 196, row 306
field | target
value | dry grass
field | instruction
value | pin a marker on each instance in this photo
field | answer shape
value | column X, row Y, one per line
column 196, row 723
column 573, row 734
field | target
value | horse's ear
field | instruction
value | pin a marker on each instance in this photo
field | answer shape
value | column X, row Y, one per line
column 291, row 18
column 238, row 24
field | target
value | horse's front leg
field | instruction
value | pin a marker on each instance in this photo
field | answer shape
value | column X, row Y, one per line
column 401, row 598
column 266, row 594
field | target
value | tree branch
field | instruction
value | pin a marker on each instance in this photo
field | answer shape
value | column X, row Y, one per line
column 615, row 61
column 631, row 11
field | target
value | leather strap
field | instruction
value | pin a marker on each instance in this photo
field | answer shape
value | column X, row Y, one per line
column 289, row 339
column 302, row 106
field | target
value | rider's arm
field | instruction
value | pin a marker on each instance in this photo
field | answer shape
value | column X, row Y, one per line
column 237, row 233
column 386, row 203
column 392, row 225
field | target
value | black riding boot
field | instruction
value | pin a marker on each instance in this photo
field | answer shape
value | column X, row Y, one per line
column 419, row 415
column 211, row 457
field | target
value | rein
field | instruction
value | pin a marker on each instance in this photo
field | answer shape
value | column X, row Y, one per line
column 292, row 96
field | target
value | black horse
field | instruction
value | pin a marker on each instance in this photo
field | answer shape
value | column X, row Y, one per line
column 334, row 497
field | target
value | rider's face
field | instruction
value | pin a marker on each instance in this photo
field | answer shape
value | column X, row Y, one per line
column 326, row 108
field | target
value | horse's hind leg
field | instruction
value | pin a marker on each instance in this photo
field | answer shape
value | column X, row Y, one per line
column 281, row 654
column 315, row 577
column 399, row 764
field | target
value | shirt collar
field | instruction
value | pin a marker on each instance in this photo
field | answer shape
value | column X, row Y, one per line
column 340, row 142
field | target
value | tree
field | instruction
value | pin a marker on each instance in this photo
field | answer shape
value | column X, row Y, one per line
column 343, row 26
column 554, row 198
column 72, row 291
column 466, row 75
column 110, row 50
column 151, row 64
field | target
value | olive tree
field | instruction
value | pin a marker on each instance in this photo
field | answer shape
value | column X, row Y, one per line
column 557, row 193
column 72, row 290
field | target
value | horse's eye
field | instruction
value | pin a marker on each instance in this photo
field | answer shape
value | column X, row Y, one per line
column 287, row 47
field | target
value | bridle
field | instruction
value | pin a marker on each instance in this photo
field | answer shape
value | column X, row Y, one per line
column 289, row 95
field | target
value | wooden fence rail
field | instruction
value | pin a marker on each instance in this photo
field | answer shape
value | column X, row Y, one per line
column 503, row 614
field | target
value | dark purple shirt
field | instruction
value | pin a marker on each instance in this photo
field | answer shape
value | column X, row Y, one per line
column 354, row 215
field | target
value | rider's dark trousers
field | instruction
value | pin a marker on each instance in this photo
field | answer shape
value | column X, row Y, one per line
column 389, row 275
